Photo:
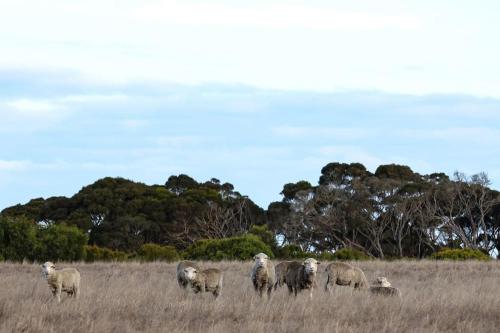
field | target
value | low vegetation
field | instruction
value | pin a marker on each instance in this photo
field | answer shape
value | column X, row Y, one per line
column 437, row 296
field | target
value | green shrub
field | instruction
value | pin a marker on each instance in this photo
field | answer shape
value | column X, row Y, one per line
column 459, row 254
column 154, row 252
column 18, row 239
column 61, row 242
column 347, row 254
column 96, row 253
column 292, row 251
column 234, row 248
column 263, row 232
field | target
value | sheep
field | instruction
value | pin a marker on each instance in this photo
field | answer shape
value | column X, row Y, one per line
column 280, row 271
column 67, row 280
column 263, row 274
column 383, row 287
column 343, row 274
column 209, row 280
column 181, row 276
column 300, row 276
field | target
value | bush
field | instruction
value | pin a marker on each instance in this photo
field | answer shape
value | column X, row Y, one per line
column 96, row 253
column 459, row 254
column 292, row 251
column 18, row 239
column 234, row 248
column 154, row 252
column 347, row 254
column 61, row 242
column 263, row 232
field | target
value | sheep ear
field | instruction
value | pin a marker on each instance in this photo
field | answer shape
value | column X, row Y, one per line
column 317, row 263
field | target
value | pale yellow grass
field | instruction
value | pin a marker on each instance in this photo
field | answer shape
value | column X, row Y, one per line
column 129, row 297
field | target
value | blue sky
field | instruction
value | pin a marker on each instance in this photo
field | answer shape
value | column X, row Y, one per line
column 256, row 93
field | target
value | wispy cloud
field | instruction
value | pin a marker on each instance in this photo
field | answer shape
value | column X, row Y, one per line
column 269, row 15
column 13, row 165
column 340, row 133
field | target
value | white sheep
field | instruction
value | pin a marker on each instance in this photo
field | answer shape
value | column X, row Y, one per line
column 182, row 280
column 263, row 274
column 383, row 287
column 208, row 280
column 67, row 280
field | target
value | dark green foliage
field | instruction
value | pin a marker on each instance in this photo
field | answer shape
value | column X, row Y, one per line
column 460, row 254
column 95, row 253
column 349, row 254
column 155, row 252
column 395, row 171
column 292, row 251
column 234, row 248
column 21, row 240
column 342, row 173
column 61, row 242
column 291, row 189
column 18, row 239
column 263, row 232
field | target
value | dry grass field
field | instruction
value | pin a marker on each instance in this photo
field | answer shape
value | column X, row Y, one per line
column 129, row 297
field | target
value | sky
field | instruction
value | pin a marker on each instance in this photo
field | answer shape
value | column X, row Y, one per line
column 255, row 93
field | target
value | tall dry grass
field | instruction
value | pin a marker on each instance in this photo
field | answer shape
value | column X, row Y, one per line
column 129, row 297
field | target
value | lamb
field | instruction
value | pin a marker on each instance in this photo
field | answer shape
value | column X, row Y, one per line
column 383, row 287
column 209, row 280
column 343, row 274
column 281, row 270
column 67, row 280
column 300, row 276
column 182, row 280
column 263, row 274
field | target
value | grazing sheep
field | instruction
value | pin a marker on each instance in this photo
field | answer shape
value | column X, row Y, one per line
column 67, row 280
column 209, row 280
column 301, row 276
column 263, row 274
column 281, row 270
column 383, row 287
column 343, row 274
column 182, row 280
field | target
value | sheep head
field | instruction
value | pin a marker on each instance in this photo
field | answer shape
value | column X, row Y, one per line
column 261, row 259
column 48, row 268
column 383, row 282
column 190, row 273
column 311, row 265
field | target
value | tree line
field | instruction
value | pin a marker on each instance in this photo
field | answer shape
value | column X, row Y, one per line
column 391, row 213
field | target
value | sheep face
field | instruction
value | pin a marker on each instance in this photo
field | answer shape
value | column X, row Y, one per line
column 48, row 268
column 383, row 282
column 190, row 273
column 261, row 260
column 311, row 265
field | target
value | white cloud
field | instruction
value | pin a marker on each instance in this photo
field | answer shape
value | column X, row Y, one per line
column 30, row 106
column 270, row 15
column 322, row 132
column 477, row 135
column 133, row 124
column 13, row 165
column 351, row 154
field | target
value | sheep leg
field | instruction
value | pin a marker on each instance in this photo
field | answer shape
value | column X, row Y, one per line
column 58, row 293
column 269, row 289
